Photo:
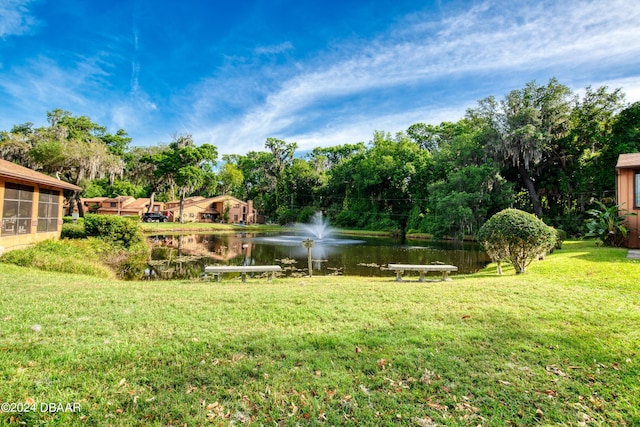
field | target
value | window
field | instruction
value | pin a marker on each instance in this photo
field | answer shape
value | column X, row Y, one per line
column 636, row 190
column 112, row 204
column 48, row 205
column 18, row 204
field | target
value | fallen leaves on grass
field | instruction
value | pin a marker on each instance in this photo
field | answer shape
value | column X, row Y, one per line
column 555, row 370
column 429, row 376
column 597, row 402
column 425, row 422
column 216, row 410
column 466, row 407
column 437, row 406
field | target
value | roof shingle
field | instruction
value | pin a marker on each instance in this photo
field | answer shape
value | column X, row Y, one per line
column 12, row 170
column 631, row 160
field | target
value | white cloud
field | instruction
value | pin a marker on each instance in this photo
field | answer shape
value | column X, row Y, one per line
column 362, row 129
column 487, row 49
column 629, row 85
column 15, row 18
column 274, row 49
column 80, row 86
column 491, row 39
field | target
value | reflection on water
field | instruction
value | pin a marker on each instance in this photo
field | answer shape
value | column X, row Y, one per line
column 185, row 256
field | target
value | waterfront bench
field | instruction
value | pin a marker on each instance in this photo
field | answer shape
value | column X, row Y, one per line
column 217, row 270
column 422, row 269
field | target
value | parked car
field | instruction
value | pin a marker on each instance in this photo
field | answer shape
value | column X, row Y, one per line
column 154, row 217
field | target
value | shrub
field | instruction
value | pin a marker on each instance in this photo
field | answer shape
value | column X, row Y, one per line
column 607, row 224
column 285, row 215
column 69, row 220
column 561, row 236
column 306, row 213
column 516, row 236
column 73, row 231
column 117, row 230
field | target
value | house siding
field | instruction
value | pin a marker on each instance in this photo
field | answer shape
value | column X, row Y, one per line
column 32, row 236
column 625, row 194
column 199, row 210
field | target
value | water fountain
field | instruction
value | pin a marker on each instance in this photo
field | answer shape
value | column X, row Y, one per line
column 318, row 228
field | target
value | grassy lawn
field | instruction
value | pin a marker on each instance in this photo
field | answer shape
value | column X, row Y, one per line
column 172, row 227
column 557, row 346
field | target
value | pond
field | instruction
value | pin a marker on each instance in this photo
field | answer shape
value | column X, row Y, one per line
column 186, row 255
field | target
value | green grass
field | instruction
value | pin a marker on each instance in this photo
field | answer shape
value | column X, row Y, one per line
column 82, row 256
column 172, row 227
column 559, row 345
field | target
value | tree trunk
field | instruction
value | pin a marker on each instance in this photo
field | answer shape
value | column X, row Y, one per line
column 181, row 208
column 153, row 196
column 79, row 202
column 529, row 185
column 72, row 200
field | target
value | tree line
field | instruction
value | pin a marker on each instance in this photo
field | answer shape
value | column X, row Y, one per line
column 542, row 148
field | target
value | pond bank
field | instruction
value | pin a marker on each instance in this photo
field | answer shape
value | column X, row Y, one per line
column 193, row 227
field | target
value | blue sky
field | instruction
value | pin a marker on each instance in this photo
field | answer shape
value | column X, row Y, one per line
column 319, row 73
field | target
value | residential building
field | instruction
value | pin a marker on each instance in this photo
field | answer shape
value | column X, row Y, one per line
column 31, row 204
column 226, row 209
column 628, row 194
column 90, row 205
column 127, row 206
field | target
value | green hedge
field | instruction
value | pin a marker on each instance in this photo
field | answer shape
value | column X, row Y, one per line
column 73, row 231
column 117, row 230
column 69, row 220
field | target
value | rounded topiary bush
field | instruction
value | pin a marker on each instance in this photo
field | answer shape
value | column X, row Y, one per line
column 516, row 236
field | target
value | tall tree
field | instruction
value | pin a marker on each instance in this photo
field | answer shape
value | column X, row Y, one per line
column 186, row 165
column 230, row 178
column 523, row 128
column 373, row 188
column 282, row 157
column 596, row 118
column 117, row 143
column 430, row 137
column 16, row 144
column 71, row 148
column 579, row 167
